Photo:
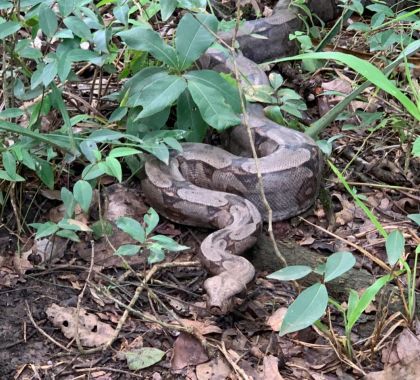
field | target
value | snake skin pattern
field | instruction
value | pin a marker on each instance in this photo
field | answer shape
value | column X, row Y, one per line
column 207, row 186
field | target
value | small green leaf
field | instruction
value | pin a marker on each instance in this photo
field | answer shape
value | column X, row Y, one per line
column 66, row 7
column 293, row 272
column 78, row 27
column 416, row 148
column 45, row 172
column 415, row 218
column 167, row 7
column 151, row 219
column 132, row 227
column 143, row 357
column 47, row 20
column 128, row 250
column 307, row 308
column 83, row 194
column 44, row 229
column 114, row 168
column 168, row 243
column 394, row 246
column 68, row 201
column 7, row 28
column 67, row 234
column 276, row 80
column 337, row 264
column 156, row 254
column 123, row 151
column 9, row 163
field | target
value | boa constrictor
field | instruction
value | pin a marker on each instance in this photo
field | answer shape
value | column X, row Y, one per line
column 207, row 186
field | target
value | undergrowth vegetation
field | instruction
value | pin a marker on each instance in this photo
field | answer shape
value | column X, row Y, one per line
column 62, row 130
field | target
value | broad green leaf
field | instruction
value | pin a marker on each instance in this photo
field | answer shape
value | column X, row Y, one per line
column 7, row 28
column 88, row 147
column 394, row 245
column 151, row 219
column 128, row 250
column 353, row 301
column 416, row 148
column 80, row 55
column 415, row 218
column 83, row 194
column 193, row 5
column 367, row 297
column 276, row 80
column 114, row 168
column 143, row 357
column 101, row 228
column 73, row 225
column 68, row 201
column 337, row 264
column 213, row 108
column 189, row 118
column 167, row 7
column 123, row 151
column 121, row 13
column 16, row 178
column 168, row 243
column 9, row 163
column 365, row 68
column 67, row 234
column 293, row 272
column 145, row 39
column 49, row 72
column 131, row 227
column 78, row 27
column 92, row 171
column 66, row 6
column 45, row 172
column 212, row 79
column 156, row 254
column 159, row 92
column 11, row 112
column 160, row 151
column 307, row 308
column 359, row 26
column 193, row 37
column 173, row 143
column 47, row 20
column 44, row 229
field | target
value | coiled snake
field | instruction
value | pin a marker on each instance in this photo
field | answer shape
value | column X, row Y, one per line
column 207, row 186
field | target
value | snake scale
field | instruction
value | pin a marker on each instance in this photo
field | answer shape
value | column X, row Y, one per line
column 207, row 186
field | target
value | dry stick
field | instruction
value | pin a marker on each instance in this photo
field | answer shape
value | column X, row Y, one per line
column 80, row 297
column 252, row 143
column 234, row 365
column 28, row 311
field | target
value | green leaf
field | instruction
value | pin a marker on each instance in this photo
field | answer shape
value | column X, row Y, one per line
column 168, row 243
column 66, row 7
column 189, row 118
column 7, row 28
column 213, row 108
column 193, row 37
column 44, row 229
column 128, row 250
column 416, row 148
column 47, row 20
column 307, row 308
column 337, row 264
column 160, row 92
column 156, row 254
column 173, row 143
column 365, row 68
column 9, row 163
column 45, row 172
column 123, row 151
column 145, row 39
column 367, row 297
column 11, row 112
column 212, row 79
column 92, row 171
column 415, row 218
column 143, row 357
column 167, row 7
column 151, row 219
column 131, row 227
column 293, row 272
column 394, row 245
column 67, row 234
column 114, row 168
column 78, row 27
column 353, row 301
column 68, row 201
column 83, row 194
column 49, row 72
column 359, row 26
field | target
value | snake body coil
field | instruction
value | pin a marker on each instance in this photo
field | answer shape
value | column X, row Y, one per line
column 207, row 186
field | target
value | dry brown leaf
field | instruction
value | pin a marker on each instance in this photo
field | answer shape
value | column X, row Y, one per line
column 92, row 332
column 409, row 371
column 187, row 351
column 215, row 369
column 203, row 328
column 276, row 319
column 270, row 368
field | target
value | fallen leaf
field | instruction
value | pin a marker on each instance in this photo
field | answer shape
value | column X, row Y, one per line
column 276, row 319
column 215, row 369
column 409, row 371
column 92, row 332
column 271, row 369
column 143, row 357
column 203, row 328
column 187, row 351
